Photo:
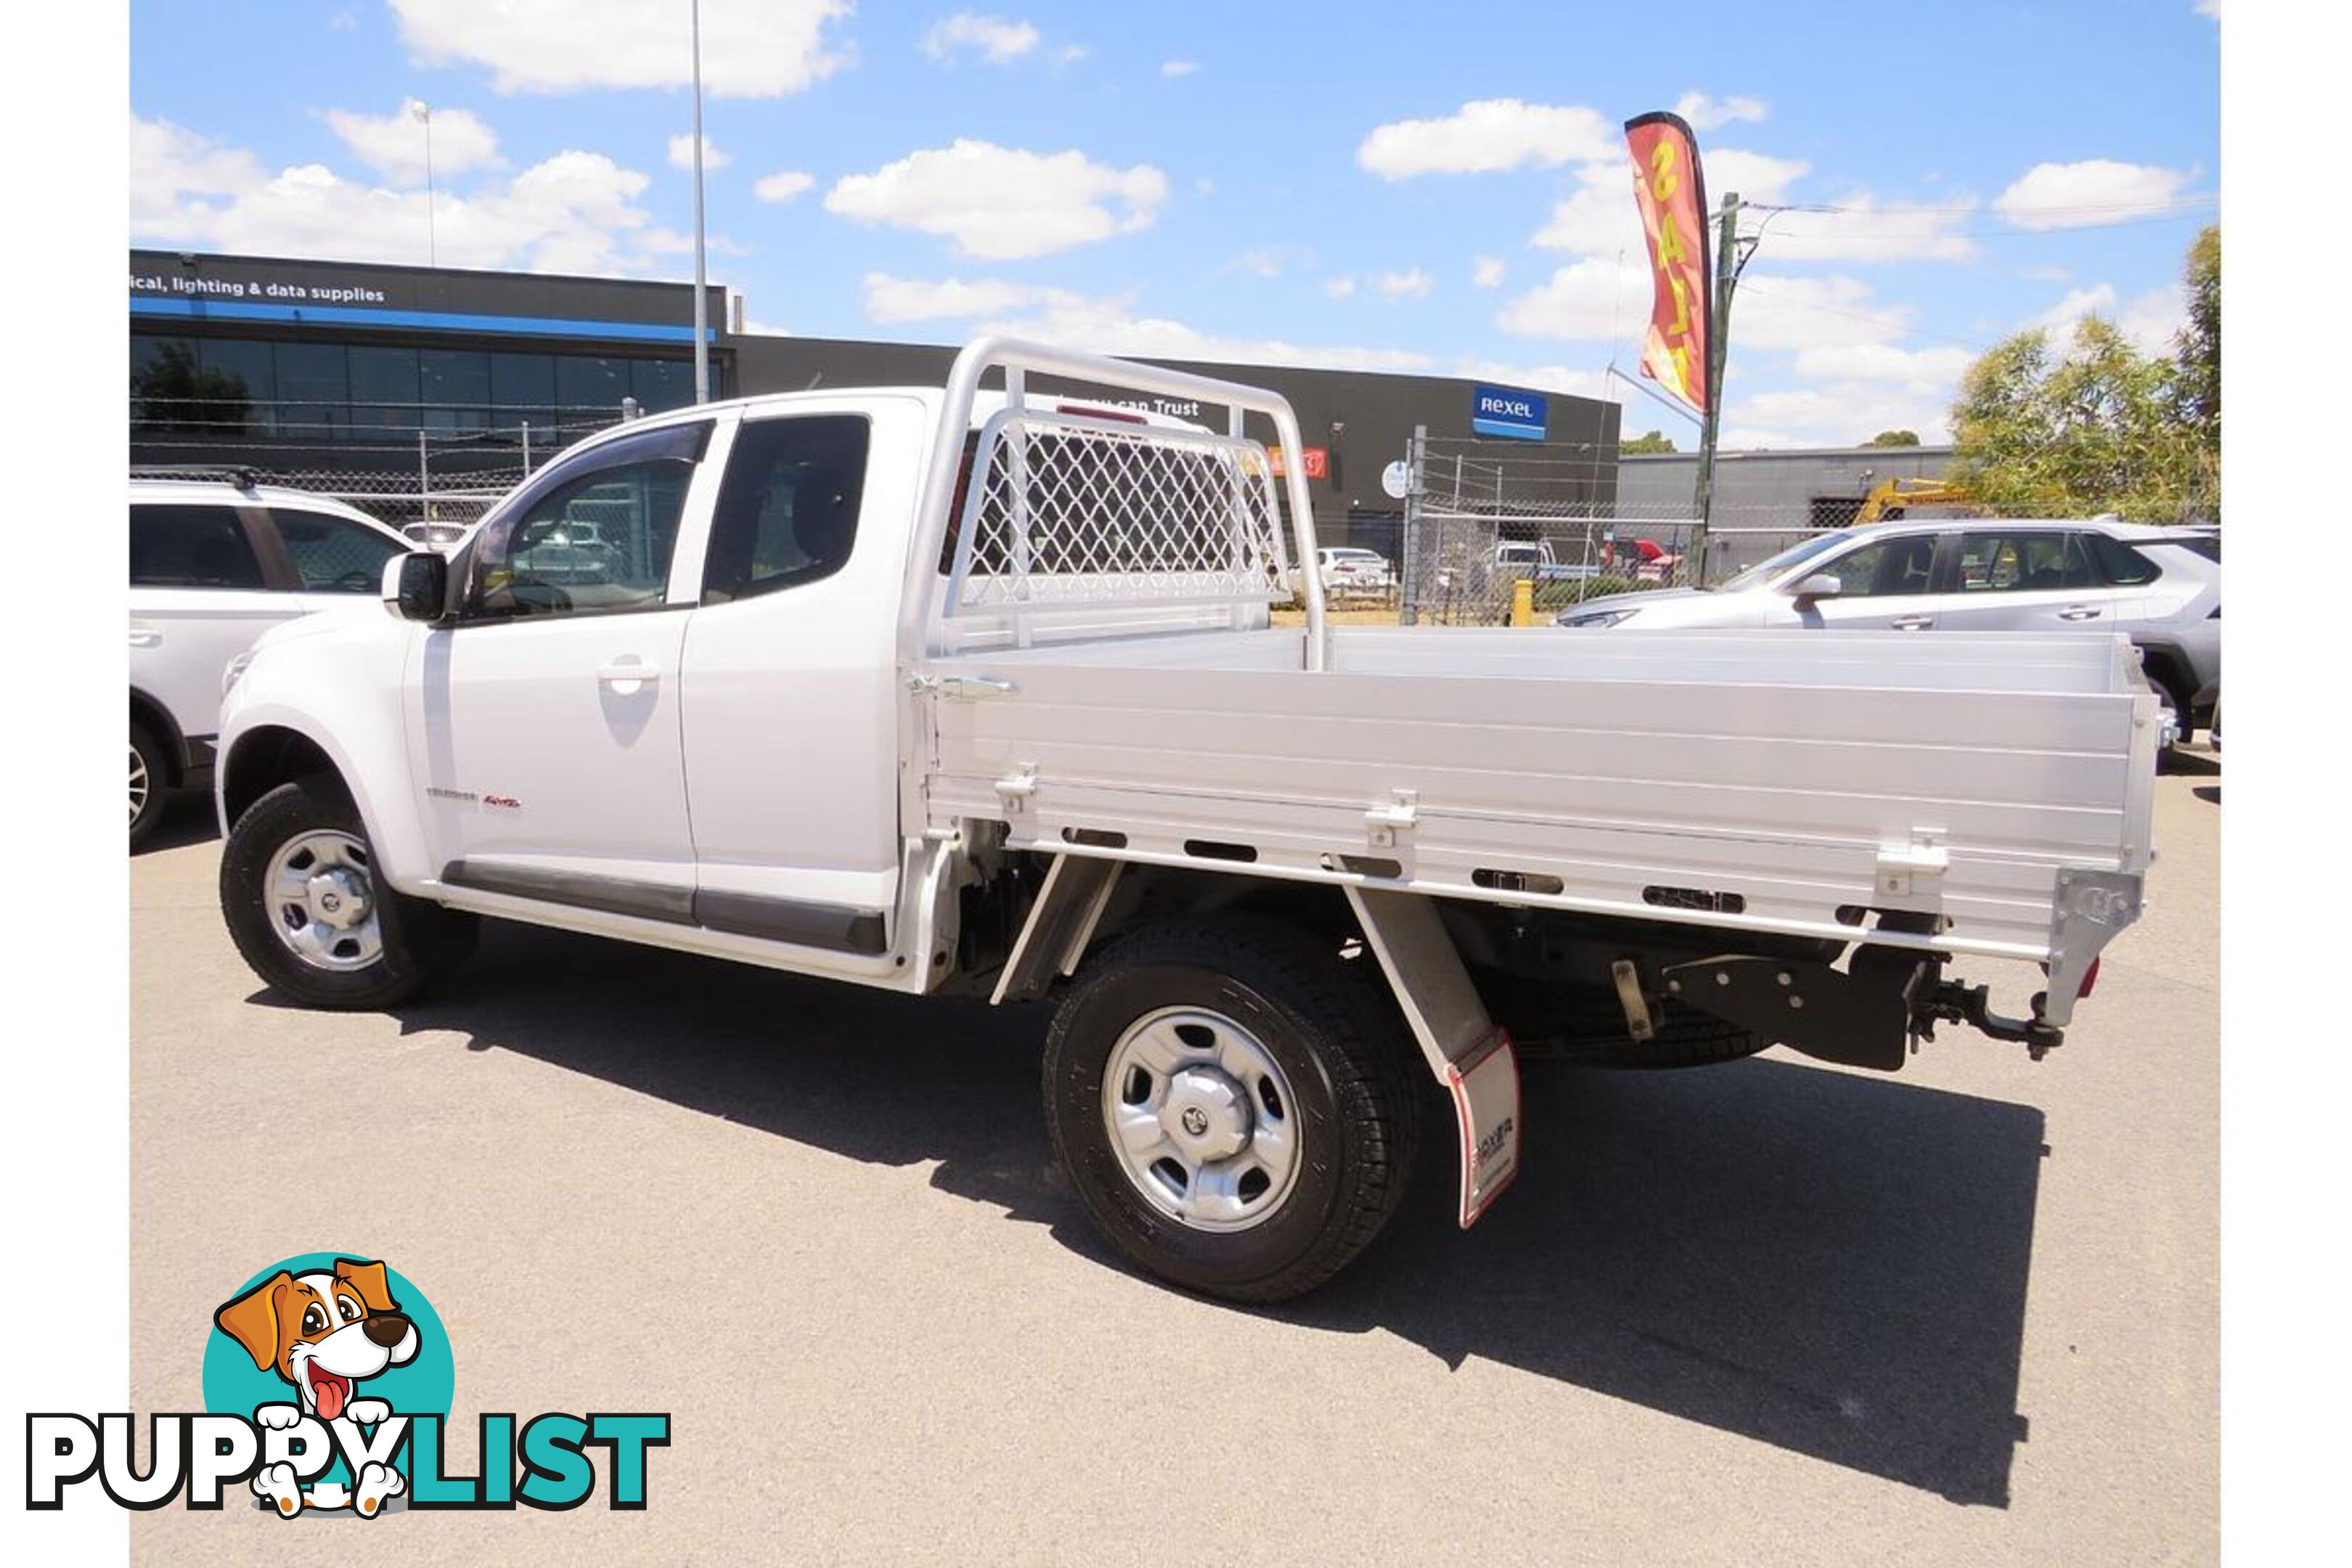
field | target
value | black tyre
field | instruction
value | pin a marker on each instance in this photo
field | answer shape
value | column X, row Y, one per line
column 298, row 890
column 1234, row 1103
column 150, row 782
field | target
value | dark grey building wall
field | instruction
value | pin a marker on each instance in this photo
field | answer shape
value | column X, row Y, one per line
column 1769, row 488
column 1364, row 419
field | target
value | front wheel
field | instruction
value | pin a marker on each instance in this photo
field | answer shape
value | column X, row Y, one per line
column 1232, row 1102
column 300, row 891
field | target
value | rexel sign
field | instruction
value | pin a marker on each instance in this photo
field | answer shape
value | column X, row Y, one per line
column 1507, row 411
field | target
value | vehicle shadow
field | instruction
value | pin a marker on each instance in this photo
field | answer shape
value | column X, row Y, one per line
column 1832, row 1264
column 187, row 819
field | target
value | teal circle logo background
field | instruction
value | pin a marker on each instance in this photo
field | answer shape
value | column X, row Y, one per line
column 422, row 1386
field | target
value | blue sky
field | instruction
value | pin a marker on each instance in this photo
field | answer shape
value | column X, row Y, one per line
column 1409, row 186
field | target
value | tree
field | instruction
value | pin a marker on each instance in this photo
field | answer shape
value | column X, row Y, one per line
column 2099, row 426
column 1894, row 439
column 1652, row 441
column 2198, row 345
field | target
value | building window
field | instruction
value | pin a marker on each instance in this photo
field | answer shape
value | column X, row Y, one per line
column 662, row 383
column 384, row 389
column 245, row 377
column 590, row 387
column 314, row 390
column 456, row 386
column 522, row 390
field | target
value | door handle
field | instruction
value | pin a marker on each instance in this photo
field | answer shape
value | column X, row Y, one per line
column 626, row 677
column 146, row 636
column 2079, row 612
column 1913, row 623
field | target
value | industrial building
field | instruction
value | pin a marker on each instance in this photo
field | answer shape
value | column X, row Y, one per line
column 439, row 377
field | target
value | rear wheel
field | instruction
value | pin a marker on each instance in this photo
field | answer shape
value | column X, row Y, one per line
column 300, row 891
column 149, row 783
column 1232, row 1102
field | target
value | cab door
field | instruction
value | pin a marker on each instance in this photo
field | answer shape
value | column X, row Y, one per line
column 792, row 739
column 543, row 721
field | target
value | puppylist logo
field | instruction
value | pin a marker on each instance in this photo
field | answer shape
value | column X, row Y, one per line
column 326, row 1382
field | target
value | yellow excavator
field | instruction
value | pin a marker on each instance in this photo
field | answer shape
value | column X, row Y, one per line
column 1890, row 500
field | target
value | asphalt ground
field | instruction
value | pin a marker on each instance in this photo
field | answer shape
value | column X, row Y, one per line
column 1766, row 1312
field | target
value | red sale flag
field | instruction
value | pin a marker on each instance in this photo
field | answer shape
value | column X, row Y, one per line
column 1672, row 199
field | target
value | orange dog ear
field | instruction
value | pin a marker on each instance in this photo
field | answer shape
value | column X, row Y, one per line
column 252, row 1319
column 368, row 1279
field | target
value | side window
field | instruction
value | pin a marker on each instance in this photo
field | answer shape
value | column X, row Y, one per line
column 334, row 555
column 1890, row 567
column 788, row 506
column 2022, row 562
column 591, row 536
column 2120, row 564
column 191, row 547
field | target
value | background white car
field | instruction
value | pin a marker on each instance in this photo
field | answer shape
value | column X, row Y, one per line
column 1350, row 573
column 213, row 564
column 2160, row 586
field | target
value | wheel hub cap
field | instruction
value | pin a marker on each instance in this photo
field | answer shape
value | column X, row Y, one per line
column 1200, row 1118
column 321, row 901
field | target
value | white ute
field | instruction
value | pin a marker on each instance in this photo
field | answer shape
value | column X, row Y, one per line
column 978, row 693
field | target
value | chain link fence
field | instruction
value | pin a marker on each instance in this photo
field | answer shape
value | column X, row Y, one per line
column 1481, row 520
column 429, row 470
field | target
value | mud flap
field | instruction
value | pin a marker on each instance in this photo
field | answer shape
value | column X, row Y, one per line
column 1486, row 1086
column 1467, row 1052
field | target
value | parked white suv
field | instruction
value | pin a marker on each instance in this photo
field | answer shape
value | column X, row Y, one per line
column 213, row 564
column 2159, row 586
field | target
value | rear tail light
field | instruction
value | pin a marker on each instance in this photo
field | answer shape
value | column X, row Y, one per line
column 2090, row 978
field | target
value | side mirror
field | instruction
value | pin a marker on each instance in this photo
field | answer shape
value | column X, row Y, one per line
column 1820, row 585
column 416, row 585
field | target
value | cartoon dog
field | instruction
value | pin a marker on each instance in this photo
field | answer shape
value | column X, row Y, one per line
column 324, row 1333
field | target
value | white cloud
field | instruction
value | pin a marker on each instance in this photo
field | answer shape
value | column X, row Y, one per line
column 575, row 212
column 1486, row 272
column 1487, row 135
column 783, row 185
column 1110, row 325
column 750, row 48
column 1598, row 216
column 1705, row 113
column 2095, row 191
column 2148, row 321
column 1178, row 67
column 1069, row 54
column 1840, row 415
column 393, row 145
column 1933, row 370
column 889, row 299
column 1599, row 298
column 2060, row 319
column 1272, row 260
column 990, row 39
column 1340, row 287
column 681, row 153
column 1002, row 203
column 1773, row 311
column 1863, row 230
column 1605, row 300
column 2210, row 8
column 2044, row 273
column 1410, row 284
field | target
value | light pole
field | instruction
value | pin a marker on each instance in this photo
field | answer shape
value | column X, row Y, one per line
column 423, row 113
column 701, row 299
